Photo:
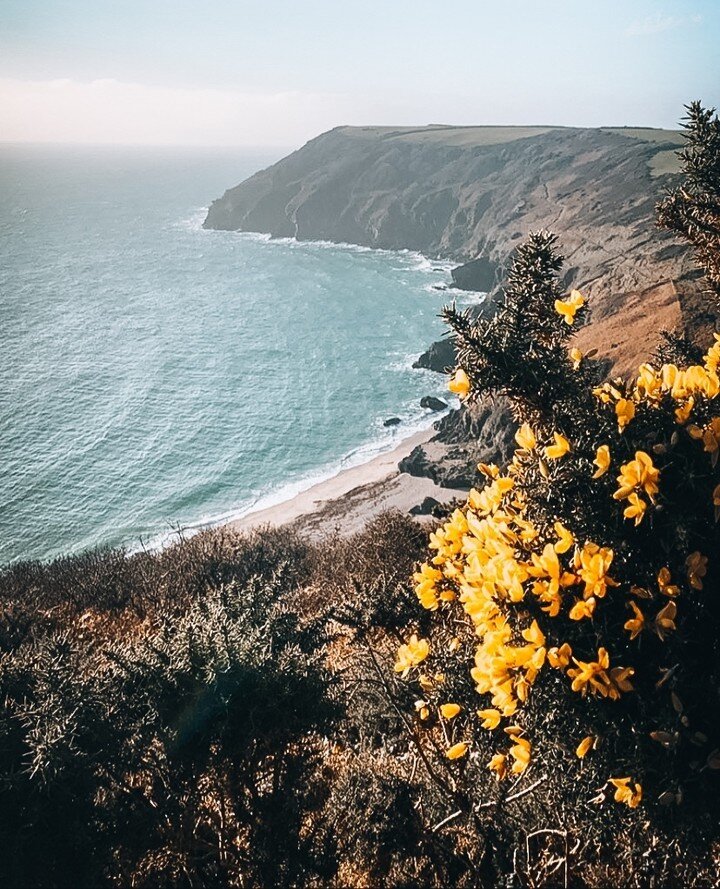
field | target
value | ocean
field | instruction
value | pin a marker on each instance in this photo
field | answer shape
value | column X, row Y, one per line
column 156, row 375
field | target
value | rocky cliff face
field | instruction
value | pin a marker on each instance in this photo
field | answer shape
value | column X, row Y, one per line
column 478, row 433
column 471, row 194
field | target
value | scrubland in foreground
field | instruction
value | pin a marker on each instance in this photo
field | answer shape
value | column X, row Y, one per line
column 225, row 712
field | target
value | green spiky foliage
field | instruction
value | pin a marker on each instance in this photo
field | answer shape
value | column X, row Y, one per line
column 177, row 752
column 692, row 210
column 521, row 351
column 599, row 539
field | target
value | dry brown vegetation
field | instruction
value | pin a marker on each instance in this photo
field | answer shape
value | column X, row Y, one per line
column 225, row 712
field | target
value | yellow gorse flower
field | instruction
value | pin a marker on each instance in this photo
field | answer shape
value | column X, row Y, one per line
column 560, row 657
column 457, row 750
column 498, row 764
column 411, row 654
column 648, row 383
column 569, row 308
column 696, row 564
column 576, row 357
column 682, row 413
column 583, row 608
column 625, row 412
column 459, row 383
column 636, row 624
column 597, row 678
column 664, row 584
column 559, row 449
column 426, row 580
column 602, row 461
column 635, row 508
column 627, row 792
column 450, row 711
column 520, row 752
column 583, row 748
column 490, row 718
column 712, row 358
column 565, row 538
column 710, row 437
column 525, row 437
column 592, row 564
column 665, row 620
column 638, row 475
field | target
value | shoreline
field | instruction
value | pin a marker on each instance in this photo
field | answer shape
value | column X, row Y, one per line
column 345, row 502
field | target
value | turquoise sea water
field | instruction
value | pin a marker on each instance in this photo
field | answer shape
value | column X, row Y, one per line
column 156, row 375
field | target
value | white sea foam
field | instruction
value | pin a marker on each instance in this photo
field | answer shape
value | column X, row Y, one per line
column 470, row 297
column 461, row 297
column 194, row 221
column 387, row 441
column 416, row 260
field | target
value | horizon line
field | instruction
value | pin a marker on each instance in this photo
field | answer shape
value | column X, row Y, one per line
column 291, row 147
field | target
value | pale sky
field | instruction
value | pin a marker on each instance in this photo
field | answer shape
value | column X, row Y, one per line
column 278, row 72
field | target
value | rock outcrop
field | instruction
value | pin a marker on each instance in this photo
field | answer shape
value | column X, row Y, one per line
column 432, row 403
column 440, row 356
column 482, row 433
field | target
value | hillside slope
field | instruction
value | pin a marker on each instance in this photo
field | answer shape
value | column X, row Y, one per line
column 468, row 192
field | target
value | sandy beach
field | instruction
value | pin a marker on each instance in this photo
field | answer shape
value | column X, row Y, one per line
column 348, row 500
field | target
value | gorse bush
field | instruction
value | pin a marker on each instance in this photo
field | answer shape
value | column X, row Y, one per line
column 208, row 715
column 575, row 599
column 174, row 746
column 693, row 209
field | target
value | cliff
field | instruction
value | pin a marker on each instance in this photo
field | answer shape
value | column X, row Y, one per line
column 472, row 193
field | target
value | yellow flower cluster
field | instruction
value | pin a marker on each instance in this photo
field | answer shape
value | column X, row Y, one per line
column 664, row 620
column 627, row 792
column 511, row 572
column 687, row 388
column 487, row 556
column 637, row 476
column 569, row 308
column 411, row 654
column 459, row 383
column 598, row 678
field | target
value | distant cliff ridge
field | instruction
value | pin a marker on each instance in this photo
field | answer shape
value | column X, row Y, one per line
column 472, row 193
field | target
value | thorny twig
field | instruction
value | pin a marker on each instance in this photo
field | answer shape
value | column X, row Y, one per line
column 514, row 796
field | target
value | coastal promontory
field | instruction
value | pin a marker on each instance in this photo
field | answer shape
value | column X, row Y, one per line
column 470, row 194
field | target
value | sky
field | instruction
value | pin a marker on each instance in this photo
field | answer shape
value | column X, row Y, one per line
column 278, row 72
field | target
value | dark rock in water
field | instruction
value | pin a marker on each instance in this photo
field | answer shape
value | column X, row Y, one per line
column 440, row 357
column 392, row 421
column 478, row 274
column 426, row 507
column 435, row 404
